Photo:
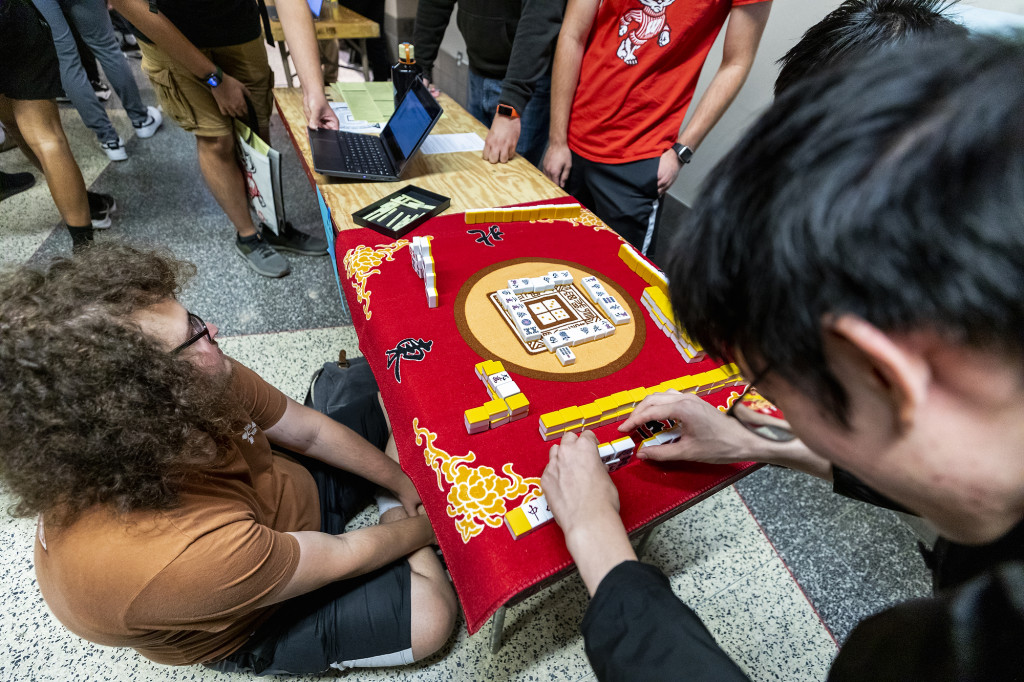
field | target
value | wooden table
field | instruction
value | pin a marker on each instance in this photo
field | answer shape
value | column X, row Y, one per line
column 334, row 21
column 471, row 182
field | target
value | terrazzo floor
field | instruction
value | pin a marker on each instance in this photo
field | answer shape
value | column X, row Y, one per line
column 778, row 567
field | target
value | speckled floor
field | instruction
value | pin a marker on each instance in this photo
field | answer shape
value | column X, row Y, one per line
column 779, row 568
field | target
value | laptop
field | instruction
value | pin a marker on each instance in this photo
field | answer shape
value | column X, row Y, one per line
column 343, row 154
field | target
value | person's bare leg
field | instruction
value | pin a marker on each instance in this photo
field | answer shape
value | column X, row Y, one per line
column 433, row 600
column 224, row 178
column 11, row 126
column 39, row 122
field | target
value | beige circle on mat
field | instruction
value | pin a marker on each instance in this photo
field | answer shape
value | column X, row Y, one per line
column 487, row 333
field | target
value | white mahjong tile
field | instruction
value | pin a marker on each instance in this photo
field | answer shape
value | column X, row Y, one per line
column 606, row 451
column 550, row 342
column 565, row 356
column 530, row 333
column 620, row 317
column 578, row 337
column 507, row 389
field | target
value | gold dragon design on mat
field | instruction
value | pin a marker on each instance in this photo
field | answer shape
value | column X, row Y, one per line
column 363, row 261
column 587, row 218
column 478, row 495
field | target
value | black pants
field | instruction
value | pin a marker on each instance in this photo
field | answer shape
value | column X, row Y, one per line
column 623, row 195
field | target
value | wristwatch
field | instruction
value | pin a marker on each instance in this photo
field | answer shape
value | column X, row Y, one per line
column 213, row 79
column 683, row 153
column 507, row 110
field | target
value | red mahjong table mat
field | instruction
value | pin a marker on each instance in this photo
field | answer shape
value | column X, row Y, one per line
column 423, row 359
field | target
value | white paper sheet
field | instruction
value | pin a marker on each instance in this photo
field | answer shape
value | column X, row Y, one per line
column 453, row 142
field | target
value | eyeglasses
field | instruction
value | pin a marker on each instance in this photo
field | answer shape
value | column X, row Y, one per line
column 754, row 422
column 198, row 329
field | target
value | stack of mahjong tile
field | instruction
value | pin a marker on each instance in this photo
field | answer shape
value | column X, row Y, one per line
column 617, row 453
column 601, row 298
column 527, row 285
column 524, row 324
column 507, row 403
column 517, row 213
column 606, row 410
column 559, row 342
column 423, row 264
column 639, row 265
column 657, row 303
column 535, row 513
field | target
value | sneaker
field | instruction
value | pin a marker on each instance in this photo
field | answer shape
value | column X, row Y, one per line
column 261, row 256
column 293, row 241
column 101, row 89
column 115, row 150
column 149, row 127
column 101, row 206
column 13, row 183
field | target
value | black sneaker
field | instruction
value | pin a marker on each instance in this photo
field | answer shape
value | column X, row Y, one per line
column 101, row 89
column 293, row 241
column 261, row 256
column 13, row 183
column 101, row 206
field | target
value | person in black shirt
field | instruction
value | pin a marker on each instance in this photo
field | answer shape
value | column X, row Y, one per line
column 204, row 59
column 859, row 254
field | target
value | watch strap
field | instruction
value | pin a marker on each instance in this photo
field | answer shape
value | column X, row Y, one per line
column 506, row 110
column 682, row 152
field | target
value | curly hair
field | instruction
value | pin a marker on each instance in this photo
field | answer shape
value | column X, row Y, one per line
column 92, row 410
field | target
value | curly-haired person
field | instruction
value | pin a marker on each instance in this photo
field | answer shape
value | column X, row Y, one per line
column 166, row 521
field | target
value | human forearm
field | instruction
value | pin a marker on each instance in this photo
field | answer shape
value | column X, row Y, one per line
column 165, row 35
column 325, row 558
column 598, row 546
column 432, row 17
column 742, row 37
column 532, row 50
column 300, row 34
column 565, row 76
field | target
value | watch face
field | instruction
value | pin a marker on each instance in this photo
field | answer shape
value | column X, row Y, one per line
column 212, row 80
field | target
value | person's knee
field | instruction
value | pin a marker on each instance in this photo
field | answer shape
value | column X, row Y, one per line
column 221, row 146
column 433, row 615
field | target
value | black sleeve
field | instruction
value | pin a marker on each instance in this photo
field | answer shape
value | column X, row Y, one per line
column 972, row 633
column 532, row 50
column 432, row 17
column 846, row 484
column 636, row 629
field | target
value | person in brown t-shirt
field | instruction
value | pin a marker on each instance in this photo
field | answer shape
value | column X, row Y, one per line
column 166, row 521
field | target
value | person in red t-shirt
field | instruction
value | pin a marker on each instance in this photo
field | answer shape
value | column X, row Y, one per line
column 624, row 75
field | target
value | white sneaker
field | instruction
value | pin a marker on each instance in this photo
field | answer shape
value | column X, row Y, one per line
column 149, row 127
column 115, row 150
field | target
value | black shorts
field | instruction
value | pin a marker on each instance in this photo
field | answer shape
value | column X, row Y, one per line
column 361, row 622
column 30, row 69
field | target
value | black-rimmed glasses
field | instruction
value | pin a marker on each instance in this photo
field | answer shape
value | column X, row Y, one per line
column 198, row 329
column 755, row 423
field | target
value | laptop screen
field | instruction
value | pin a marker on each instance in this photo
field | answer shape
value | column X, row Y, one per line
column 412, row 120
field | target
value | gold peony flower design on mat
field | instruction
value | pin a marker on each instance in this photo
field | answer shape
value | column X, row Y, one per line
column 363, row 261
column 478, row 496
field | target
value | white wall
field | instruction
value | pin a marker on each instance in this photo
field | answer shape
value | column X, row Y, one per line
column 788, row 21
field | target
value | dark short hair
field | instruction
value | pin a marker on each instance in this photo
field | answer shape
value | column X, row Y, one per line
column 891, row 189
column 858, row 26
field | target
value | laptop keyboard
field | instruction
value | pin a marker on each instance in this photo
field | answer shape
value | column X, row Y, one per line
column 363, row 154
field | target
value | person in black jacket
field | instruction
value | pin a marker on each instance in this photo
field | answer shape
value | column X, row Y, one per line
column 510, row 45
column 859, row 254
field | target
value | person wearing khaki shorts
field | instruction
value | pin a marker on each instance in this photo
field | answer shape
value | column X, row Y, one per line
column 204, row 59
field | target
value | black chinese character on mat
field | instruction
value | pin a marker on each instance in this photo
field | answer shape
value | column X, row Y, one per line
column 407, row 349
column 485, row 237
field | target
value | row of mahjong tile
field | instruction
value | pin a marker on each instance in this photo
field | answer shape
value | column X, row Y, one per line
column 657, row 304
column 423, row 264
column 507, row 402
column 512, row 215
column 642, row 267
column 605, row 301
column 528, row 285
column 615, row 455
column 618, row 406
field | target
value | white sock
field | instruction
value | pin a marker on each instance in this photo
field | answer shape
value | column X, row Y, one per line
column 385, row 501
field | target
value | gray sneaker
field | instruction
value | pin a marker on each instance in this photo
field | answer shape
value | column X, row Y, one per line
column 261, row 256
column 293, row 241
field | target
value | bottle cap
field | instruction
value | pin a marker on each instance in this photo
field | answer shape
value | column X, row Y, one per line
column 406, row 53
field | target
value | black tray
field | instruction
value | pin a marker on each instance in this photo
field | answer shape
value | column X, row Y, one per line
column 400, row 219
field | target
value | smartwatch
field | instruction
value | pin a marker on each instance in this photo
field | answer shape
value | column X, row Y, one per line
column 507, row 110
column 214, row 79
column 683, row 153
